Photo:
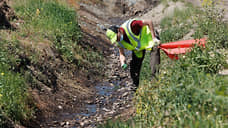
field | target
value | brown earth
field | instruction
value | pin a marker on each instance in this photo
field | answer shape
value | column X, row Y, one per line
column 6, row 14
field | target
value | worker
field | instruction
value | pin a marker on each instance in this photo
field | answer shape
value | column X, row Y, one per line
column 137, row 36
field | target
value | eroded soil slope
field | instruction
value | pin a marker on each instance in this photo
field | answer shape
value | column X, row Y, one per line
column 6, row 14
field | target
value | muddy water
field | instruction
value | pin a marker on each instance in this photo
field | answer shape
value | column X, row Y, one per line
column 114, row 95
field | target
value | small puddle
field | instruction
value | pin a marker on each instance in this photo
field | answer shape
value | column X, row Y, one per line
column 92, row 108
column 103, row 90
column 106, row 89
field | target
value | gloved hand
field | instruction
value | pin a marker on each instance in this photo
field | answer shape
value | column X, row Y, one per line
column 156, row 41
column 124, row 66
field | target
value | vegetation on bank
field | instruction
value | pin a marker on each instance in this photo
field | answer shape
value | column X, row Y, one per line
column 58, row 23
column 14, row 97
column 50, row 20
column 189, row 92
column 39, row 20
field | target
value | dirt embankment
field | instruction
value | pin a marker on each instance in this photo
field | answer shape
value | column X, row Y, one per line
column 56, row 87
column 6, row 14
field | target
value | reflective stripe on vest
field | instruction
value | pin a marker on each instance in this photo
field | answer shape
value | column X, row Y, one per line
column 143, row 41
column 120, row 44
column 132, row 36
column 140, row 42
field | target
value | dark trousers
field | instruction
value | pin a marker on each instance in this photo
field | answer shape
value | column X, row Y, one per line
column 136, row 63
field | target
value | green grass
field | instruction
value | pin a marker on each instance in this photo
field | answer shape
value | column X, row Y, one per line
column 182, row 96
column 226, row 66
column 49, row 19
column 176, row 26
column 13, row 88
column 53, row 21
column 165, row 2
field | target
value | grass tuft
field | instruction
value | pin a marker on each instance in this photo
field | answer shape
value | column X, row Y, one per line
column 13, row 89
column 53, row 21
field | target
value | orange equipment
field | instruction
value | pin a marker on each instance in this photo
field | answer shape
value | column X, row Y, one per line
column 173, row 49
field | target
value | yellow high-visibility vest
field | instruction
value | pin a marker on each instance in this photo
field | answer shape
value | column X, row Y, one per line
column 143, row 41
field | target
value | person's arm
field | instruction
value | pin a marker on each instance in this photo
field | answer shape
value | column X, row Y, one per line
column 151, row 27
column 122, row 56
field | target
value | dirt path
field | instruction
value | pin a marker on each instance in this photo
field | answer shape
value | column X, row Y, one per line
column 114, row 96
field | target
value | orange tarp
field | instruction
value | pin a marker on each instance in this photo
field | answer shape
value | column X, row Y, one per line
column 173, row 49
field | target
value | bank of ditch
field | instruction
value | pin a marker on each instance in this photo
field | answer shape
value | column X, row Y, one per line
column 45, row 71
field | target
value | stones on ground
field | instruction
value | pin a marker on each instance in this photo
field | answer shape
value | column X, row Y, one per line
column 116, row 95
column 224, row 72
column 60, row 107
column 86, row 123
column 125, row 94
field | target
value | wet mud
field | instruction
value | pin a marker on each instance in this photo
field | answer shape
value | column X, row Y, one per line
column 114, row 95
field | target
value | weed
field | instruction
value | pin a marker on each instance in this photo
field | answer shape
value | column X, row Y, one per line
column 58, row 23
column 13, row 88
